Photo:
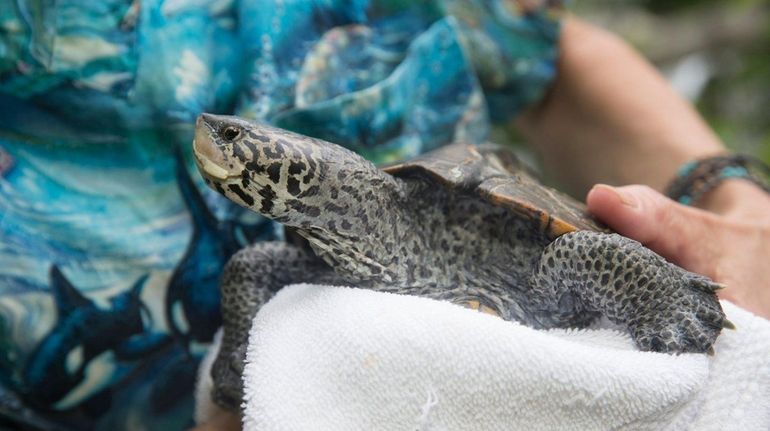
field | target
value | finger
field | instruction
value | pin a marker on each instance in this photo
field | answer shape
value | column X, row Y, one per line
column 219, row 420
column 681, row 234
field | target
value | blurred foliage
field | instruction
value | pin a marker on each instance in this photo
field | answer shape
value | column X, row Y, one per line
column 667, row 6
column 731, row 38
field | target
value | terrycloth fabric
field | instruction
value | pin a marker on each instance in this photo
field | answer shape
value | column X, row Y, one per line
column 338, row 358
column 111, row 246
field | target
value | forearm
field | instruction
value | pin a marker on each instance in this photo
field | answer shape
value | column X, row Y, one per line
column 610, row 117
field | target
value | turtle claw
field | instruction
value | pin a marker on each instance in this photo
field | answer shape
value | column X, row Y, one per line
column 704, row 283
column 719, row 286
column 688, row 320
column 238, row 359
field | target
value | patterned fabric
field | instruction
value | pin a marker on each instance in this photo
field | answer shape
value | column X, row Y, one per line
column 110, row 248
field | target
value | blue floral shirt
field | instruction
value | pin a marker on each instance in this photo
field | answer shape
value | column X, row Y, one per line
column 110, row 248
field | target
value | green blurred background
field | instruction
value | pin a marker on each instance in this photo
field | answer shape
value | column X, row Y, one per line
column 715, row 52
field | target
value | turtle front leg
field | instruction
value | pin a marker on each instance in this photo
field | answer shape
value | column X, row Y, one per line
column 251, row 277
column 666, row 308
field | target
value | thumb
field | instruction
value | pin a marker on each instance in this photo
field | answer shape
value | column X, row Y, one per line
column 679, row 233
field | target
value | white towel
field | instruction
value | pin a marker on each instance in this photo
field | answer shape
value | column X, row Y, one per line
column 335, row 358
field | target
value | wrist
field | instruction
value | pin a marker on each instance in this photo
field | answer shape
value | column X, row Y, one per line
column 724, row 184
column 737, row 198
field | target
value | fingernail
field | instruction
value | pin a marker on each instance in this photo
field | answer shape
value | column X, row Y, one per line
column 626, row 198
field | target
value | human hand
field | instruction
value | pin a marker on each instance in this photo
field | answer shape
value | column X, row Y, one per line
column 728, row 240
column 220, row 420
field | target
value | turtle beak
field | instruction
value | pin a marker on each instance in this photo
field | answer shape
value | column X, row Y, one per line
column 208, row 157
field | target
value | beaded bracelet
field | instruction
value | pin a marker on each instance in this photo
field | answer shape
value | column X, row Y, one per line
column 696, row 178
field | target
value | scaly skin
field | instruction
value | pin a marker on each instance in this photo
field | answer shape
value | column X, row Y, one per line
column 666, row 308
column 265, row 268
column 412, row 235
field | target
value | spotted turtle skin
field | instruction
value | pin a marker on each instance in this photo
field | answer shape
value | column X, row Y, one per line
column 465, row 224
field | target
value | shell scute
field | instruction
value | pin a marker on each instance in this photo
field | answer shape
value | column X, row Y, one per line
column 496, row 175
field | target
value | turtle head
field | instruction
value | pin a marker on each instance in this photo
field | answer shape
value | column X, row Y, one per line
column 296, row 180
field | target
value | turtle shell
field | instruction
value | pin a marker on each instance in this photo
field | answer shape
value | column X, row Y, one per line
column 495, row 174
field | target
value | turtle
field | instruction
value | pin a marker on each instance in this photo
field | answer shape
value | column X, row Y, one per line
column 465, row 223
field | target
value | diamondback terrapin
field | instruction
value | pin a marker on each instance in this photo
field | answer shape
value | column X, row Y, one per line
column 464, row 224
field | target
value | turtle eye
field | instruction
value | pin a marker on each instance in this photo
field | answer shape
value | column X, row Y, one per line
column 230, row 133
